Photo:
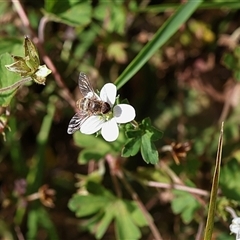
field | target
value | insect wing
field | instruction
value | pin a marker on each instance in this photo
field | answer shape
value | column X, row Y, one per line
column 77, row 120
column 85, row 86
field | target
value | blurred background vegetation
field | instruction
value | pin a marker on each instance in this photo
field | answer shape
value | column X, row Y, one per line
column 59, row 186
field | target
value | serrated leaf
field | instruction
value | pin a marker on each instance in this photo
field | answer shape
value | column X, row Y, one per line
column 6, row 79
column 148, row 150
column 124, row 226
column 87, row 205
column 153, row 133
column 132, row 147
column 104, row 223
column 184, row 204
column 136, row 214
column 103, row 207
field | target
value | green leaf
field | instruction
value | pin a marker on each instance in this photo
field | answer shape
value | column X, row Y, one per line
column 104, row 223
column 89, row 154
column 87, row 205
column 115, row 11
column 39, row 218
column 153, row 133
column 229, row 180
column 132, row 147
column 11, row 45
column 161, row 37
column 148, row 150
column 95, row 147
column 97, row 189
column 136, row 214
column 72, row 13
column 229, row 61
column 124, row 226
column 83, row 140
column 6, row 79
column 237, row 75
column 103, row 207
column 185, row 204
column 133, row 133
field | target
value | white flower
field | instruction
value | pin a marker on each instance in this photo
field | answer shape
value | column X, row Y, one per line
column 235, row 227
column 108, row 123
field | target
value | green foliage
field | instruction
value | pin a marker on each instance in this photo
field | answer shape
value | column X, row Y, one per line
column 39, row 218
column 115, row 11
column 143, row 138
column 11, row 45
column 69, row 12
column 184, row 204
column 104, row 208
column 7, row 78
column 167, row 62
column 95, row 148
column 29, row 65
column 232, row 62
column 229, row 180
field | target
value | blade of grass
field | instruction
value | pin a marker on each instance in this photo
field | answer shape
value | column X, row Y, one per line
column 161, row 37
column 213, row 196
column 35, row 175
column 205, row 5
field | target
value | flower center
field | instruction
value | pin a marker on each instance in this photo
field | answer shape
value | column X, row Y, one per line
column 107, row 116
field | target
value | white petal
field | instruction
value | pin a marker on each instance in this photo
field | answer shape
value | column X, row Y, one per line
column 108, row 93
column 110, row 130
column 124, row 113
column 235, row 226
column 92, row 125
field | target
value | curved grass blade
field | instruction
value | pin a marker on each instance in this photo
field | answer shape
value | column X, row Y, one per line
column 161, row 37
column 205, row 5
column 213, row 196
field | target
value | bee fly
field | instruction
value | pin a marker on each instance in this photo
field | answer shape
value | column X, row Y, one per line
column 91, row 104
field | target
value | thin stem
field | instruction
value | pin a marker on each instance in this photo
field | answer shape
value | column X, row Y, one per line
column 227, row 104
column 135, row 197
column 232, row 212
column 177, row 180
column 114, row 169
column 19, row 233
column 33, row 197
column 41, row 28
column 178, row 187
column 16, row 84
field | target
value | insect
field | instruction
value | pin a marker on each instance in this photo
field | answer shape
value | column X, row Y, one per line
column 91, row 104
